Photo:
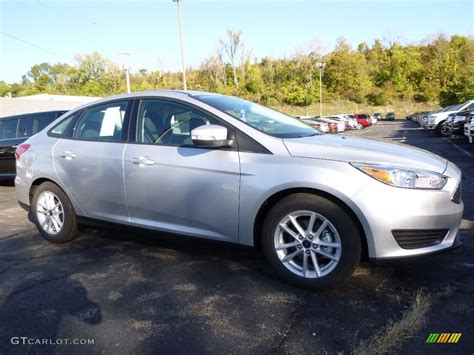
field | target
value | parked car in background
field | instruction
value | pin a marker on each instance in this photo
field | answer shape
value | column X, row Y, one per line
column 353, row 124
column 362, row 119
column 320, row 125
column 469, row 127
column 373, row 120
column 14, row 130
column 390, row 116
column 312, row 201
column 338, row 119
column 339, row 125
column 378, row 116
column 436, row 119
column 456, row 121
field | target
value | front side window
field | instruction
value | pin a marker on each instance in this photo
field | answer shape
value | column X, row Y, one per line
column 168, row 123
column 269, row 121
column 102, row 123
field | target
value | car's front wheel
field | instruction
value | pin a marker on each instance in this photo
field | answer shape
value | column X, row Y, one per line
column 311, row 241
column 441, row 129
column 53, row 213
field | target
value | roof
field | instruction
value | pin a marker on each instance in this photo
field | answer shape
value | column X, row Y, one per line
column 41, row 103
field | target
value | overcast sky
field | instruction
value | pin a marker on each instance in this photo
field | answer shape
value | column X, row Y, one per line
column 149, row 29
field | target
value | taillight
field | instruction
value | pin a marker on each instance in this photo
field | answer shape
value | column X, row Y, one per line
column 20, row 150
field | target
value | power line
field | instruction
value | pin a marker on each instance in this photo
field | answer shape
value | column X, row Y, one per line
column 36, row 46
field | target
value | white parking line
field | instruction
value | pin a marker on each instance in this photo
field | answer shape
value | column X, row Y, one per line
column 459, row 148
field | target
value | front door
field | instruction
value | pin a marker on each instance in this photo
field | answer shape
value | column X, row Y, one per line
column 174, row 186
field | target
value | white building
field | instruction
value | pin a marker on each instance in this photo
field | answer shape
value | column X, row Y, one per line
column 42, row 102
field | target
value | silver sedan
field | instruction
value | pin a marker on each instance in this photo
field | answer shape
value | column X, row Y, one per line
column 222, row 168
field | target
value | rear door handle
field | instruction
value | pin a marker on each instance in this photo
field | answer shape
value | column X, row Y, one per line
column 143, row 160
column 68, row 155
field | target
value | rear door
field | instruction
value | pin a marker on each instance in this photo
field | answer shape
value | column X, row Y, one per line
column 89, row 164
column 175, row 186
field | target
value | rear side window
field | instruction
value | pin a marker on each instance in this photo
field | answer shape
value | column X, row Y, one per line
column 8, row 128
column 60, row 129
column 102, row 123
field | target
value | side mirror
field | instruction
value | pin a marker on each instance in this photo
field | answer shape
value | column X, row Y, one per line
column 210, row 136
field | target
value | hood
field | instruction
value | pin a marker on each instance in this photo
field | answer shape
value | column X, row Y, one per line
column 348, row 149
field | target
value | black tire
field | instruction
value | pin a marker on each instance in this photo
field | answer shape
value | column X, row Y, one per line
column 439, row 129
column 69, row 229
column 349, row 235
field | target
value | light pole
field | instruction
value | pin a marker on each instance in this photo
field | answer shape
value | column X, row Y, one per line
column 127, row 69
column 320, row 67
column 181, row 43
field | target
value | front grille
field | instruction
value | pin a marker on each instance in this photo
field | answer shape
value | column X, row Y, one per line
column 419, row 238
column 457, row 197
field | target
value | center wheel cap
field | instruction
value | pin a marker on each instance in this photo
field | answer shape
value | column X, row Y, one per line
column 306, row 244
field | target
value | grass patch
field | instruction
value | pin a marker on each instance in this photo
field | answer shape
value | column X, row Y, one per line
column 396, row 332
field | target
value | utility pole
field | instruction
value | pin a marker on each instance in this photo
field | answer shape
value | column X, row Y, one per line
column 320, row 67
column 127, row 69
column 183, row 67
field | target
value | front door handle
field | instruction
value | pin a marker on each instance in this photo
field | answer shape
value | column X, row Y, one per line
column 143, row 160
column 68, row 155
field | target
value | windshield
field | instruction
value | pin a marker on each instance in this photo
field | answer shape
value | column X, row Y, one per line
column 268, row 121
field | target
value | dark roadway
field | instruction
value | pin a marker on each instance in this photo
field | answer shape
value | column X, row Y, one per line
column 136, row 292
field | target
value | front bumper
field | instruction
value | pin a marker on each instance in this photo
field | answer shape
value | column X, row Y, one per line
column 389, row 209
column 382, row 261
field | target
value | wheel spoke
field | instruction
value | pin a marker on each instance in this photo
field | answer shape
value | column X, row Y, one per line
column 58, row 220
column 288, row 257
column 49, row 226
column 305, row 265
column 297, row 225
column 321, row 229
column 287, row 245
column 288, row 230
column 315, row 263
column 55, row 224
column 312, row 219
column 44, row 224
column 41, row 211
column 50, row 201
column 329, row 256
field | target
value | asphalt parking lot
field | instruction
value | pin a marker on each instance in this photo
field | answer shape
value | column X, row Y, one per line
column 130, row 291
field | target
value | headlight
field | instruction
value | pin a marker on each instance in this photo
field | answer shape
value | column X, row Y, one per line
column 458, row 118
column 403, row 177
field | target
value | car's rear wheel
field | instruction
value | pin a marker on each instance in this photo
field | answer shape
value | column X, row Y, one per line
column 311, row 241
column 53, row 213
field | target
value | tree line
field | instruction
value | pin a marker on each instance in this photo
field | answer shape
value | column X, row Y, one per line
column 440, row 70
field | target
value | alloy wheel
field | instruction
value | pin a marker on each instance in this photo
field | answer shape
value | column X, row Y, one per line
column 307, row 244
column 49, row 212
